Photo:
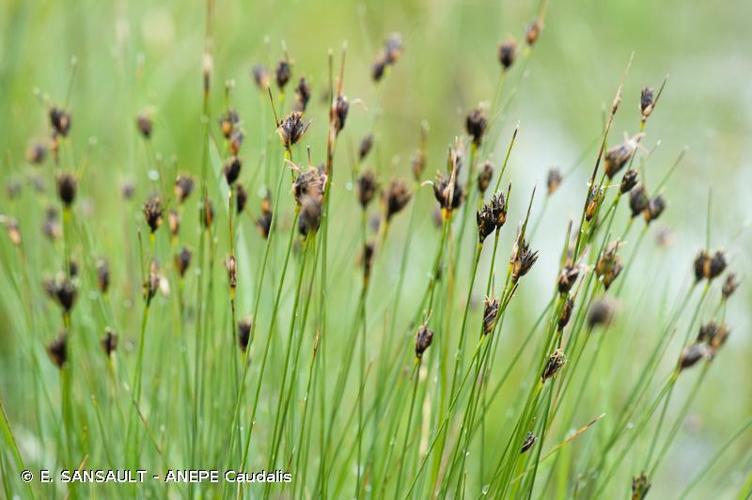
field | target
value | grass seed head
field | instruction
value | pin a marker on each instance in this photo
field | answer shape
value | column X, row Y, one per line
column 484, row 177
column 628, row 181
column 66, row 188
column 14, row 232
column 340, row 108
column 60, row 121
column 618, row 156
column 182, row 261
column 241, row 198
column 568, row 277
column 507, row 53
column 103, row 275
column 51, row 225
column 553, row 180
column 640, row 486
column 490, row 312
column 423, row 340
column 109, row 342
column 260, row 76
column 292, row 129
column 232, row 271
column 448, row 192
column 533, row 31
column 153, row 213
column 595, row 198
column 714, row 335
column 245, row 326
column 36, row 153
column 264, row 220
column 57, row 350
column 366, row 144
column 475, row 125
column 601, row 313
column 227, row 123
column 184, row 185
column 369, row 250
column 566, row 313
column 152, row 282
column 692, row 354
column 393, row 48
column 638, row 200
column 729, row 286
column 283, row 73
column 378, row 68
column 655, row 208
column 310, row 183
column 173, row 222
column 486, row 221
column 555, row 361
column 302, row 95
column 367, row 187
column 145, row 125
column 396, row 198
column 231, row 169
column 522, row 258
column 309, row 219
column 127, row 190
column 207, row 213
column 647, row 102
column 609, row 265
column 62, row 290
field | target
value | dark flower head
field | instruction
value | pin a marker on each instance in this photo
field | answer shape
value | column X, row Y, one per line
column 311, row 183
column 490, row 312
column 62, row 290
column 566, row 313
column 609, row 265
column 484, row 176
column 553, row 180
column 144, row 124
column 231, row 266
column 292, row 128
column 568, row 277
column 283, row 73
column 618, row 156
column 241, row 198
column 378, row 68
column 231, row 169
column 601, row 312
column 692, row 354
column 151, row 284
column 309, row 218
column 264, row 221
column 36, row 153
column 103, row 275
column 207, row 213
column 717, row 265
column 369, row 250
column 528, row 443
column 595, row 198
column 228, row 122
column 153, row 213
column 183, row 187
column 729, row 286
column 127, row 190
column 340, row 109
column 655, row 208
column 475, row 125
column 367, row 187
column 66, row 188
column 302, row 95
column 499, row 206
column 507, row 53
column 260, row 76
column 393, row 48
column 236, row 140
column 640, row 486
column 245, row 326
column 522, row 258
column 628, row 181
column 396, row 198
column 486, row 222
column 109, row 342
column 555, row 361
column 366, row 144
column 647, row 102
column 532, row 32
column 57, row 350
column 423, row 340
column 60, row 120
column 638, row 200
column 448, row 192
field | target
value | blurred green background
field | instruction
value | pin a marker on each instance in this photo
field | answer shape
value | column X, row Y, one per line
column 136, row 55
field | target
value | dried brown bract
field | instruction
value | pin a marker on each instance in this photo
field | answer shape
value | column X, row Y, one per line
column 66, row 188
column 475, row 125
column 553, row 180
column 714, row 335
column 292, row 129
column 484, row 177
column 207, row 213
column 533, row 31
column 490, row 312
column 448, row 191
column 568, row 277
column 57, row 350
column 340, row 110
column 396, row 198
column 729, row 286
column 486, row 222
column 153, row 213
column 367, row 187
column 311, row 183
column 618, row 156
column 183, row 187
column 647, row 102
column 423, row 340
column 109, row 342
column 566, row 313
column 595, row 198
column 152, row 282
column 555, row 361
column 227, row 122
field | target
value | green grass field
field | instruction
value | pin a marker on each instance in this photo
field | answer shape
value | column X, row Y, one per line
column 342, row 249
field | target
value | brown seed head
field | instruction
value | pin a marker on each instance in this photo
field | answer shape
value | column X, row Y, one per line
column 264, row 221
column 566, row 313
column 60, row 120
column 553, row 180
column 369, row 250
column 484, row 177
column 628, row 181
column 227, row 122
column 103, row 275
column 236, row 140
column 260, row 76
column 310, row 182
column 340, row 109
column 367, row 187
column 57, row 350
column 182, row 261
column 109, row 342
column 183, row 187
column 245, row 326
column 609, row 265
column 423, row 340
column 490, row 312
column 396, row 198
column 522, row 258
column 418, row 164
column 366, row 144
column 309, row 218
column 646, row 102
column 692, row 354
column 507, row 53
column 393, row 48
column 601, row 313
column 302, row 95
column 532, row 32
column 151, row 285
column 241, row 198
column 144, row 124
column 475, row 125
column 14, row 232
column 127, row 190
column 655, row 208
column 555, row 361
column 714, row 335
column 291, row 129
column 448, row 191
column 173, row 222
column 486, row 222
column 153, row 213
column 231, row 169
column 51, row 226
column 207, row 213
column 618, row 156
column 36, row 153
column 595, row 198
column 283, row 73
column 62, row 290
column 66, row 188
column 640, row 486
column 499, row 206
column 378, row 68
column 232, row 271
column 568, row 277
column 638, row 200
column 729, row 286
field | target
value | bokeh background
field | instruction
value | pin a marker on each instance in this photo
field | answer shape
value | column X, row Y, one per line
column 138, row 54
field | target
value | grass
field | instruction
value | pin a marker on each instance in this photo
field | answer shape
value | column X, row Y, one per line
column 411, row 335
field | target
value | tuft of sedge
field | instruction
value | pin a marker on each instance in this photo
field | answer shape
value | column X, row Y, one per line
column 183, row 188
column 647, row 102
column 628, row 181
column 153, row 213
column 152, row 282
column 51, row 225
column 490, row 312
column 62, row 290
column 292, row 129
column 109, row 341
column 522, row 258
column 528, row 443
column 231, row 169
column 311, row 183
column 553, row 180
column 144, row 124
column 692, row 354
column 241, row 198
column 36, row 153
column 484, row 176
column 475, row 125
column 283, row 73
column 640, row 486
column 729, row 286
column 396, row 198
column 556, row 360
column 617, row 157
column 507, row 53
column 173, row 222
column 103, row 275
column 182, row 261
column 66, row 188
column 302, row 95
column 232, row 271
column 638, row 200
column 655, row 208
column 601, row 313
column 227, row 122
column 595, row 198
column 423, row 340
column 57, row 350
column 367, row 187
column 309, row 218
column 708, row 266
column 486, row 222
column 340, row 108
column 566, row 314
column 260, row 76
column 207, row 213
column 60, row 121
column 14, row 232
column 567, row 277
column 245, row 326
column 366, row 144
column 609, row 265
column 533, row 31
column 264, row 220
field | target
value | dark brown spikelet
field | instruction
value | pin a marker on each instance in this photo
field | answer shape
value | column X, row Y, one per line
column 151, row 284
column 486, row 222
column 522, row 259
column 533, row 31
column 127, row 190
column 309, row 218
column 236, row 140
column 57, row 350
column 311, row 183
column 369, row 250
column 555, row 361
column 566, row 313
column 601, row 313
column 378, row 68
column 302, row 95
column 609, row 265
column 423, row 340
column 396, row 198
column 490, row 312
column 207, row 213
column 183, row 261
column 714, row 335
column 640, row 486
column 729, row 286
column 173, row 222
column 109, row 342
column 232, row 271
column 367, row 187
column 628, row 181
column 448, row 192
column 36, row 153
column 507, row 53
column 227, row 122
column 692, row 354
column 655, row 208
column 63, row 291
column 366, row 144
column 475, row 125
column 553, row 180
column 14, row 232
column 638, row 200
column 241, row 198
column 709, row 267
column 153, row 213
column 260, row 76
column 647, row 101
column 499, row 206
column 145, row 125
column 283, row 73
column 567, row 277
column 595, row 198
column 183, row 187
column 66, row 188
column 418, row 164
column 245, row 326
column 291, row 129
column 231, row 169
column 51, row 225
column 340, row 108
column 393, row 48
column 60, row 121
column 717, row 264
column 484, row 177
column 618, row 156
column 264, row 220
column 528, row 443
column 103, row 275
